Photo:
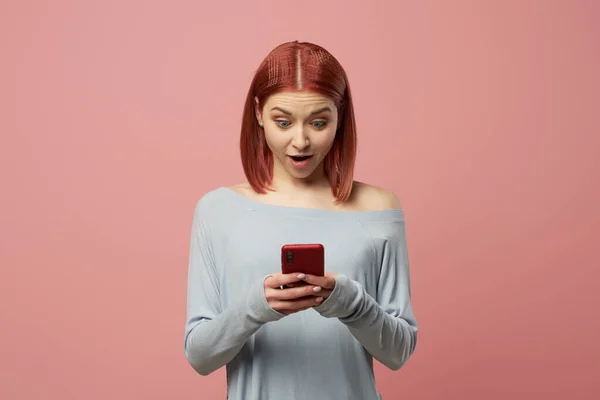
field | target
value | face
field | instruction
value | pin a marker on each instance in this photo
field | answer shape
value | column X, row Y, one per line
column 299, row 127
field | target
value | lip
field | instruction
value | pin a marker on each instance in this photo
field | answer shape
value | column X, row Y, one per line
column 300, row 164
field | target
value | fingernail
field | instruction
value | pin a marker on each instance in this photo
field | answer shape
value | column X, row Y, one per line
column 301, row 276
column 317, row 288
column 319, row 299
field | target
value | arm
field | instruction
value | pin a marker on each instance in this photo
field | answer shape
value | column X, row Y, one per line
column 385, row 325
column 213, row 336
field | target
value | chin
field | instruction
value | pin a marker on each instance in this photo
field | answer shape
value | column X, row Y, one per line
column 301, row 174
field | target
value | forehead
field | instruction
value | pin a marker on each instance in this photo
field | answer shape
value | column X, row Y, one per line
column 299, row 101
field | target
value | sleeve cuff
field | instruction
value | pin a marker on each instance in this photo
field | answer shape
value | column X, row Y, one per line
column 259, row 309
column 343, row 300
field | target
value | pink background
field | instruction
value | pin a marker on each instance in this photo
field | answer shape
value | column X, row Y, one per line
column 116, row 116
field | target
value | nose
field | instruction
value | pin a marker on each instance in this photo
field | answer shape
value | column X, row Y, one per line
column 300, row 138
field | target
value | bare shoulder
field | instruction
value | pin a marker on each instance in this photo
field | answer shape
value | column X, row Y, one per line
column 239, row 186
column 372, row 198
column 242, row 188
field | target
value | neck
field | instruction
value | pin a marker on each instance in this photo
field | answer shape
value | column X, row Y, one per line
column 283, row 181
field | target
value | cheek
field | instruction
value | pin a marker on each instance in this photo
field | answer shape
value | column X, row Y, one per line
column 325, row 141
column 274, row 142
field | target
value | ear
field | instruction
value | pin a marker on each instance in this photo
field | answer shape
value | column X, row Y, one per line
column 257, row 111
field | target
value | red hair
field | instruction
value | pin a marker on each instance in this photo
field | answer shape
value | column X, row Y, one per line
column 300, row 66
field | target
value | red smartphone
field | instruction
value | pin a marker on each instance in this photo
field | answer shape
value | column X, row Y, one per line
column 303, row 258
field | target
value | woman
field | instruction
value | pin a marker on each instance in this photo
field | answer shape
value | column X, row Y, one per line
column 296, row 336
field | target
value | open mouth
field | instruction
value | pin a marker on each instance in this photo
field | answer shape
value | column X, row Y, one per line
column 300, row 158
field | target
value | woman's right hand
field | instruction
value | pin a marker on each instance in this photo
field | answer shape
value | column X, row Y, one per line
column 293, row 299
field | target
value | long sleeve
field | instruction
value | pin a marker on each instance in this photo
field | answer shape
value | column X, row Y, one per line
column 213, row 336
column 385, row 325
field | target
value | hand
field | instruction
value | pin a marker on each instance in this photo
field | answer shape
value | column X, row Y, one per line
column 293, row 299
column 326, row 283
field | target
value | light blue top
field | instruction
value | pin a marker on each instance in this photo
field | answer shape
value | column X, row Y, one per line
column 321, row 353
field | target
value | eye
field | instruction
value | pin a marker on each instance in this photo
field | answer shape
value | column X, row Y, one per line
column 282, row 123
column 319, row 124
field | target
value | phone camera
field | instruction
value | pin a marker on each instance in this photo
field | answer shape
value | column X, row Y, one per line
column 289, row 257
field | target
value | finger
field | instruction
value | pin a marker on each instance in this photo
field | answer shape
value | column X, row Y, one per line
column 278, row 280
column 315, row 291
column 288, row 307
column 316, row 304
column 307, row 303
column 296, row 284
column 325, row 293
column 326, row 282
column 291, row 293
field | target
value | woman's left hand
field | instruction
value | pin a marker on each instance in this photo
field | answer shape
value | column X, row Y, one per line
column 326, row 283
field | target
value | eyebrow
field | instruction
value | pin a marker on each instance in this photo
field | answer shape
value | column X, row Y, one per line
column 319, row 111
